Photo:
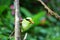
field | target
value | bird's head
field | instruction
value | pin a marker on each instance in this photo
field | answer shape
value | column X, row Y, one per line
column 30, row 20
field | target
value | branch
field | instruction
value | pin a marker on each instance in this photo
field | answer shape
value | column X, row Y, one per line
column 25, row 36
column 11, row 34
column 17, row 26
column 49, row 10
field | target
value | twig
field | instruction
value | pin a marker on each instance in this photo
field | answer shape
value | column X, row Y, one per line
column 25, row 36
column 11, row 34
column 49, row 10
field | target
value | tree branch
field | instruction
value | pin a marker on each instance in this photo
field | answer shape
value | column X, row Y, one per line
column 17, row 26
column 49, row 10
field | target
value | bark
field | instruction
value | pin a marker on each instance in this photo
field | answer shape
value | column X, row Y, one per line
column 49, row 10
column 17, row 26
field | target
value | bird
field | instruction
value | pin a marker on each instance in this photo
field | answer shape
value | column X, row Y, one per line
column 26, row 24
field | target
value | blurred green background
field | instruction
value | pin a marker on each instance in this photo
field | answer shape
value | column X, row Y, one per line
column 46, row 27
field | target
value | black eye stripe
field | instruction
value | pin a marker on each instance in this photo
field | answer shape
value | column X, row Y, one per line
column 27, row 19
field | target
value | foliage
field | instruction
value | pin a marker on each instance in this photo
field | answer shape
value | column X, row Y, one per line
column 45, row 27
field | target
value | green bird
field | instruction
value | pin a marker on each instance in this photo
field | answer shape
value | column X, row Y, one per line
column 26, row 24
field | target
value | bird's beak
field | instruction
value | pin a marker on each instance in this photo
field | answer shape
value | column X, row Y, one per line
column 31, row 21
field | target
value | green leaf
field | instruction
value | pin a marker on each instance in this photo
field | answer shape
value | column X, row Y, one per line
column 2, row 37
column 25, row 12
column 5, row 2
column 52, row 19
column 2, row 8
column 37, row 18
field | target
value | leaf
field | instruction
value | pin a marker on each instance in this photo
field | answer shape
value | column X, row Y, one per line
column 5, row 2
column 2, row 8
column 2, row 37
column 25, row 12
column 52, row 19
column 29, row 37
column 37, row 18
